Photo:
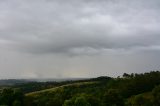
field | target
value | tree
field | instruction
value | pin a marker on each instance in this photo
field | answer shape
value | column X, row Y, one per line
column 156, row 96
column 81, row 101
column 139, row 100
column 113, row 98
column 18, row 95
column 77, row 101
column 93, row 100
column 125, row 75
column 6, row 96
column 9, row 96
column 17, row 103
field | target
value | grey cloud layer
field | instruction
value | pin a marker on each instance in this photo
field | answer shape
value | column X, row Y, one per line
column 59, row 26
column 93, row 28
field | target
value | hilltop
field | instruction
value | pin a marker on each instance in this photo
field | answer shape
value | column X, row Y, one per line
column 128, row 90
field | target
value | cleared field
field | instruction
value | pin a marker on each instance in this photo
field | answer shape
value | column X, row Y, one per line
column 55, row 88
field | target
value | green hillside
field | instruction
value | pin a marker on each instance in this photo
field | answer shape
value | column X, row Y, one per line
column 60, row 87
column 128, row 90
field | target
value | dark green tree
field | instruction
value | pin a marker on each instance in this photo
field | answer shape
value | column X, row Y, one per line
column 77, row 101
column 17, row 103
column 113, row 98
column 156, row 96
column 139, row 100
column 6, row 96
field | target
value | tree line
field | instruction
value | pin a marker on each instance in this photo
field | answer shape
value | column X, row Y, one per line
column 128, row 90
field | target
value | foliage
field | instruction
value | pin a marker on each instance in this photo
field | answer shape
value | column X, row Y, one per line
column 113, row 98
column 140, row 100
column 156, row 95
column 77, row 101
column 128, row 90
column 11, row 97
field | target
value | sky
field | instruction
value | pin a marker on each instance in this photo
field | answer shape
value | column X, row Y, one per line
column 78, row 38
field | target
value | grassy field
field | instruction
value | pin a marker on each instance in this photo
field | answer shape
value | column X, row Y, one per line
column 55, row 88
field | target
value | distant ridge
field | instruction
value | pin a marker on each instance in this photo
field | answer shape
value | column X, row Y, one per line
column 10, row 82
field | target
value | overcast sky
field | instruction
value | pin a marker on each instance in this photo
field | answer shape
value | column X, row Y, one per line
column 78, row 38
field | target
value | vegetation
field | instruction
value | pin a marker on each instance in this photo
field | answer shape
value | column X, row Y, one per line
column 128, row 90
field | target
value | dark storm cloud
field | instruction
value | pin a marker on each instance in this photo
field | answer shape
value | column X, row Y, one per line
column 79, row 28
